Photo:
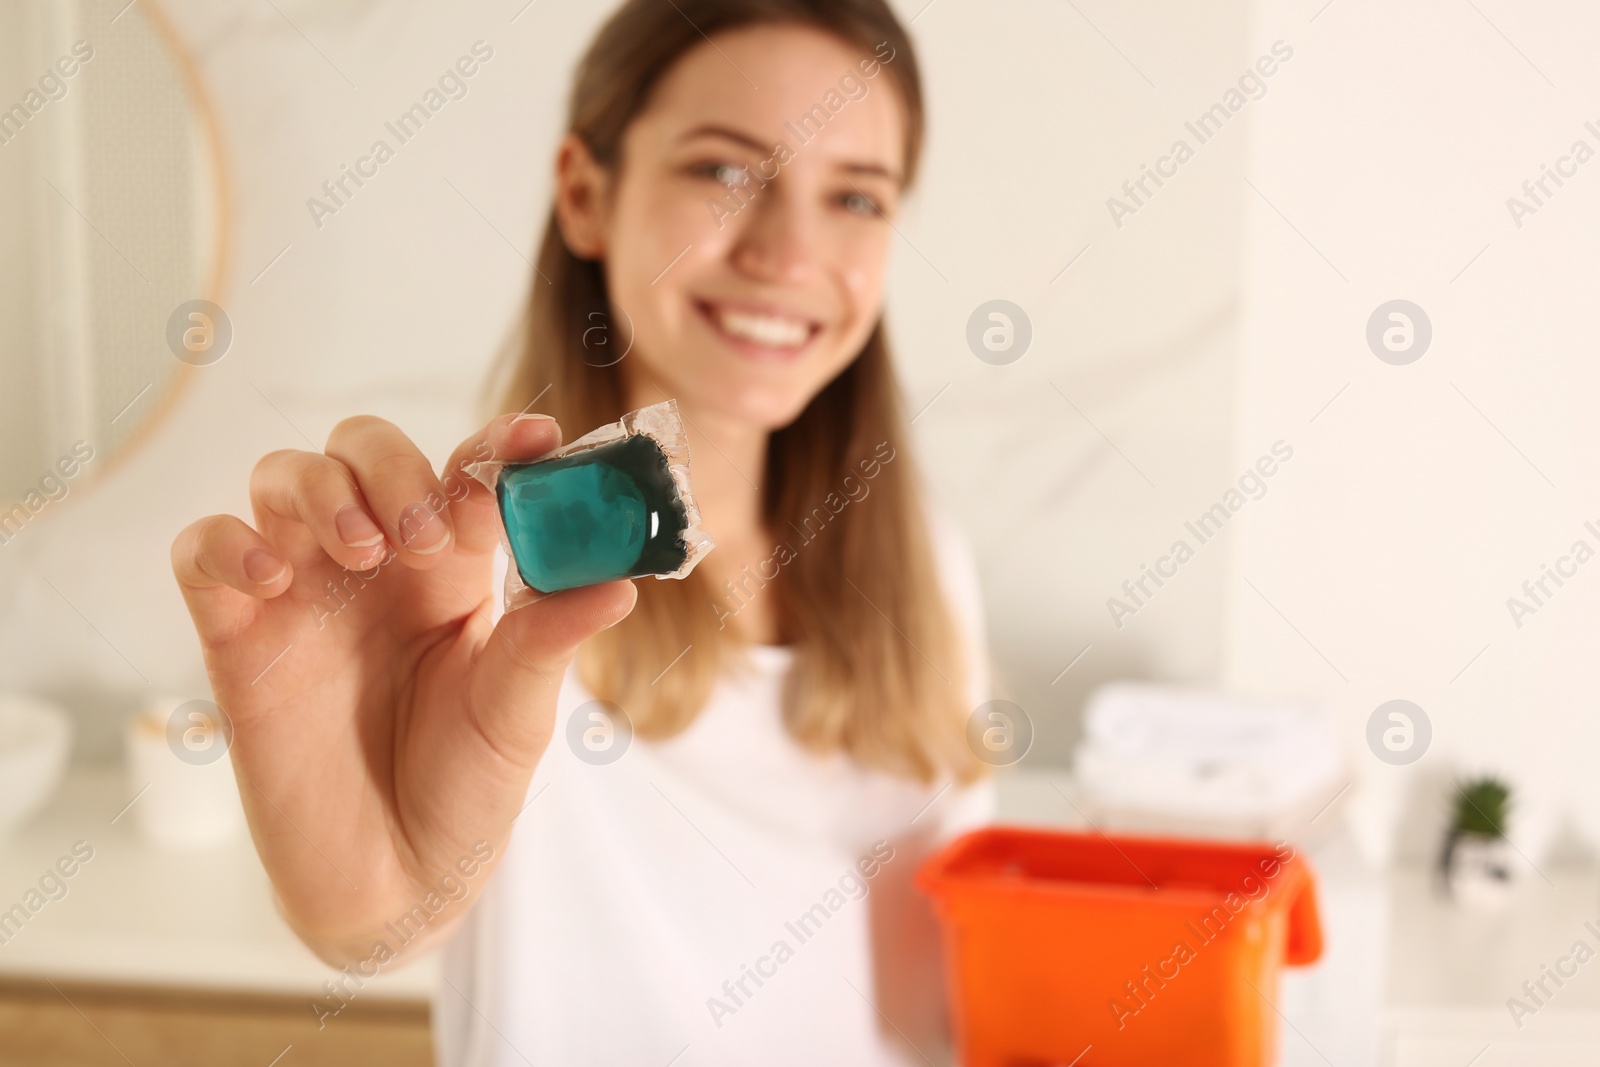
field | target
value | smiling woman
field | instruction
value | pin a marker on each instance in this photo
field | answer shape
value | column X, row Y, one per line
column 825, row 712
column 715, row 768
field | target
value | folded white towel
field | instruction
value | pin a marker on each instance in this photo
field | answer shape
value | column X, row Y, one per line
column 1155, row 754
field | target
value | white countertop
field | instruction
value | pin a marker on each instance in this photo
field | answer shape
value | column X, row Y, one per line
column 1451, row 973
column 1407, row 978
column 136, row 915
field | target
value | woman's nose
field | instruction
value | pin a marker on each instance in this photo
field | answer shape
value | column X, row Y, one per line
column 778, row 240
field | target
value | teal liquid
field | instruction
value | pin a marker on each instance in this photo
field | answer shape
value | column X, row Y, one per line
column 597, row 515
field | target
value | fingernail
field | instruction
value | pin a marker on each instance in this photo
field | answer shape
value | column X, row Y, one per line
column 262, row 567
column 531, row 417
column 421, row 531
column 355, row 528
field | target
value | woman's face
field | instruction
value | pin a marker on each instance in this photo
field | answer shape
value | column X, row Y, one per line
column 746, row 231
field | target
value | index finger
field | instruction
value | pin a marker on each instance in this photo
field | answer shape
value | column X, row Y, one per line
column 399, row 485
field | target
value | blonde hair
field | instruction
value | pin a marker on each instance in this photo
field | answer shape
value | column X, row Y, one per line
column 878, row 671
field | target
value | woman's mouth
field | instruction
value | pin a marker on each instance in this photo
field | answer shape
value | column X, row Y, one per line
column 761, row 333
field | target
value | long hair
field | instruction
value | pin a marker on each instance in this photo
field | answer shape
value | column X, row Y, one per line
column 878, row 671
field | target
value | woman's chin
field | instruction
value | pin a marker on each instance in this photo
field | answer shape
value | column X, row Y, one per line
column 764, row 409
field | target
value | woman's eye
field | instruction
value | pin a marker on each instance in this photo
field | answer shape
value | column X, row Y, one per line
column 860, row 204
column 726, row 173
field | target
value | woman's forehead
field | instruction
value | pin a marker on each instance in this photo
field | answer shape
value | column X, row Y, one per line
column 788, row 83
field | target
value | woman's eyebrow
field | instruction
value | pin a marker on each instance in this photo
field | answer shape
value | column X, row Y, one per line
column 871, row 169
column 711, row 129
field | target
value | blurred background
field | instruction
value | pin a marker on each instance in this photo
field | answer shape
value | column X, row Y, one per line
column 1371, row 270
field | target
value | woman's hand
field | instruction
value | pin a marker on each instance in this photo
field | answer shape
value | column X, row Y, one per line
column 381, row 726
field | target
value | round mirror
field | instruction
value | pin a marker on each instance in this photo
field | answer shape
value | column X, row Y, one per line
column 112, row 240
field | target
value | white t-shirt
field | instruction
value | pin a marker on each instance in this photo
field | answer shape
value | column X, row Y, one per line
column 722, row 897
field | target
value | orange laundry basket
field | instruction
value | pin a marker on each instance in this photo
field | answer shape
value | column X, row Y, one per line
column 1079, row 948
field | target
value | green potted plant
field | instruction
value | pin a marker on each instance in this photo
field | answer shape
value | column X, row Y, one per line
column 1477, row 856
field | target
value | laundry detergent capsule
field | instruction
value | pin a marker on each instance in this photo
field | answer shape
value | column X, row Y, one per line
column 613, row 504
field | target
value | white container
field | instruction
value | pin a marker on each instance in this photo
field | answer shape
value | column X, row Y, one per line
column 1478, row 872
column 181, row 773
column 35, row 740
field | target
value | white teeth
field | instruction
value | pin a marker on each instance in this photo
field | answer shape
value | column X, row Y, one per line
column 764, row 329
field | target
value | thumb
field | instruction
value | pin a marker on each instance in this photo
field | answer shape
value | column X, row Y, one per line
column 519, row 672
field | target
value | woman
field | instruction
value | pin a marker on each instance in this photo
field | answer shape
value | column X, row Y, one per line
column 702, row 800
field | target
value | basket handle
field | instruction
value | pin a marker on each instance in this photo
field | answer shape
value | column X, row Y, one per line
column 1305, row 924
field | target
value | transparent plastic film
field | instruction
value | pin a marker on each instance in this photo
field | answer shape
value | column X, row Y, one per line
column 615, row 503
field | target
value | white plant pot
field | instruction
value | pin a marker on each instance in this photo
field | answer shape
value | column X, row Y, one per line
column 1478, row 871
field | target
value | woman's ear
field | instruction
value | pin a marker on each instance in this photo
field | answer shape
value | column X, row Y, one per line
column 583, row 189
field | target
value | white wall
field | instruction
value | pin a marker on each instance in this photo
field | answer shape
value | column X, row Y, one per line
column 396, row 305
column 1038, row 120
column 1424, row 496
